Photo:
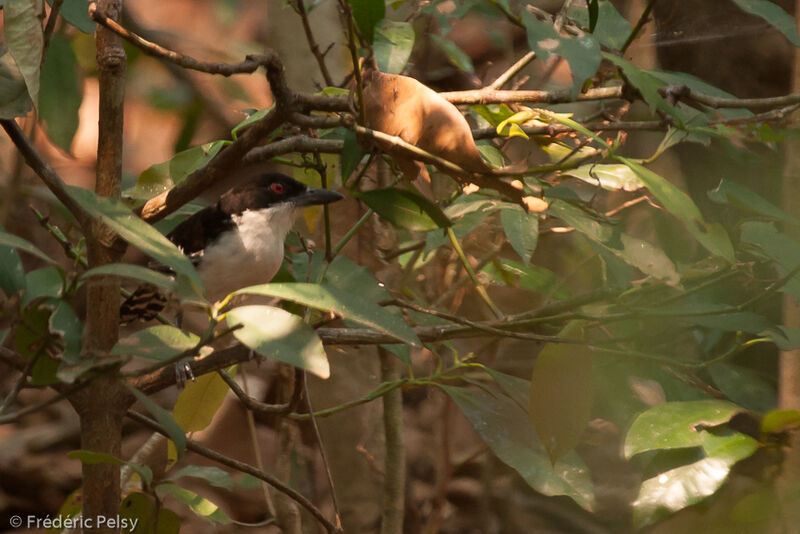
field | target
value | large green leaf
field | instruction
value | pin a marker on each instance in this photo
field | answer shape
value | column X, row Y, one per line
column 367, row 14
column 712, row 236
column 773, row 14
column 609, row 176
column 213, row 475
column 10, row 240
column 43, row 283
column 610, row 28
column 521, row 229
column 393, row 44
column 163, row 176
column 61, row 92
column 25, row 40
column 678, row 488
column 14, row 98
column 160, row 342
column 675, row 425
column 633, row 251
column 563, row 378
column 647, row 84
column 277, row 334
column 777, row 246
column 733, row 194
column 504, row 426
column 77, row 14
column 405, row 209
column 135, row 272
column 581, row 53
column 347, row 304
column 135, row 231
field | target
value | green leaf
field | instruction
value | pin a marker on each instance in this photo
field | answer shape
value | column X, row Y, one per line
column 46, row 282
column 213, row 475
column 562, row 377
column 65, row 324
column 135, row 272
column 594, row 12
column 456, row 56
column 164, row 176
column 612, row 28
column 729, row 448
column 93, row 458
column 12, row 275
column 494, row 114
column 32, row 338
column 633, row 251
column 61, row 92
column 139, row 508
column 521, row 229
column 277, row 334
column 405, row 209
column 76, row 13
column 367, row 14
column 712, row 236
column 647, row 84
column 160, row 342
column 674, row 425
column 581, row 53
column 780, row 420
column 504, row 427
column 777, row 246
column 199, row 505
column 10, row 240
column 135, row 231
column 14, row 98
column 174, row 431
column 251, row 118
column 773, row 14
column 25, row 41
column 744, row 387
column 347, row 304
column 199, row 401
column 393, row 44
column 609, row 176
column 673, row 490
column 733, row 194
column 518, row 389
column 784, row 337
column 530, row 277
column 491, row 154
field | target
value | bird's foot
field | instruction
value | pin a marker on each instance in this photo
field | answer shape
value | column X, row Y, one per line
column 183, row 373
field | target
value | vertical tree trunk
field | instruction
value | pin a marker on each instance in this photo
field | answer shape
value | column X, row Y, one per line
column 102, row 405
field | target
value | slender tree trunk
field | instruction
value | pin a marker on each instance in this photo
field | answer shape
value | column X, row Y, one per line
column 102, row 405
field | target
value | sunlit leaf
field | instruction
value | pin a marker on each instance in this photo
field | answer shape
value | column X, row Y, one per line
column 277, row 334
column 780, row 420
column 138, row 507
column 199, row 401
column 393, row 44
column 675, row 425
column 504, row 427
column 609, row 176
column 199, row 505
column 405, row 209
column 349, row 305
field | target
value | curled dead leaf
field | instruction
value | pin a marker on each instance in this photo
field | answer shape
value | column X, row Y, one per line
column 535, row 204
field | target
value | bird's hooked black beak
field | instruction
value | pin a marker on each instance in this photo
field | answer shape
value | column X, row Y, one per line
column 313, row 196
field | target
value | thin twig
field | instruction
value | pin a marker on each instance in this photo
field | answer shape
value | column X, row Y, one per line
column 639, row 25
column 492, row 96
column 312, row 43
column 394, row 471
column 55, row 8
column 262, row 407
column 44, row 171
column 242, row 467
column 467, row 267
column 512, row 71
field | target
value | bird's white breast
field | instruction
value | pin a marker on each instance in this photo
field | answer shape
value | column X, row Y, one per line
column 249, row 254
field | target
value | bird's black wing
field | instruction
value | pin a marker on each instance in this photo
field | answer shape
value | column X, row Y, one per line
column 194, row 234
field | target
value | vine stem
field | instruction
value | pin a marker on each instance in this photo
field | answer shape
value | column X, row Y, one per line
column 467, row 267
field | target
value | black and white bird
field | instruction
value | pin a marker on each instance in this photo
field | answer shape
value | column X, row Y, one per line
column 237, row 241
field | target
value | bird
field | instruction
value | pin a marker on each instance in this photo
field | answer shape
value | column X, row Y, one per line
column 237, row 241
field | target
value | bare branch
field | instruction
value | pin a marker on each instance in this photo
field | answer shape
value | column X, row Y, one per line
column 297, row 143
column 512, row 71
column 261, row 407
column 242, row 467
column 312, row 43
column 44, row 171
column 489, row 95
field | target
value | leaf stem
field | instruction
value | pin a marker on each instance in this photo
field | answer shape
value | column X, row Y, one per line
column 465, row 262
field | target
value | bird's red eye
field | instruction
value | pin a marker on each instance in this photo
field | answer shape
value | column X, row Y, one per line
column 277, row 188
